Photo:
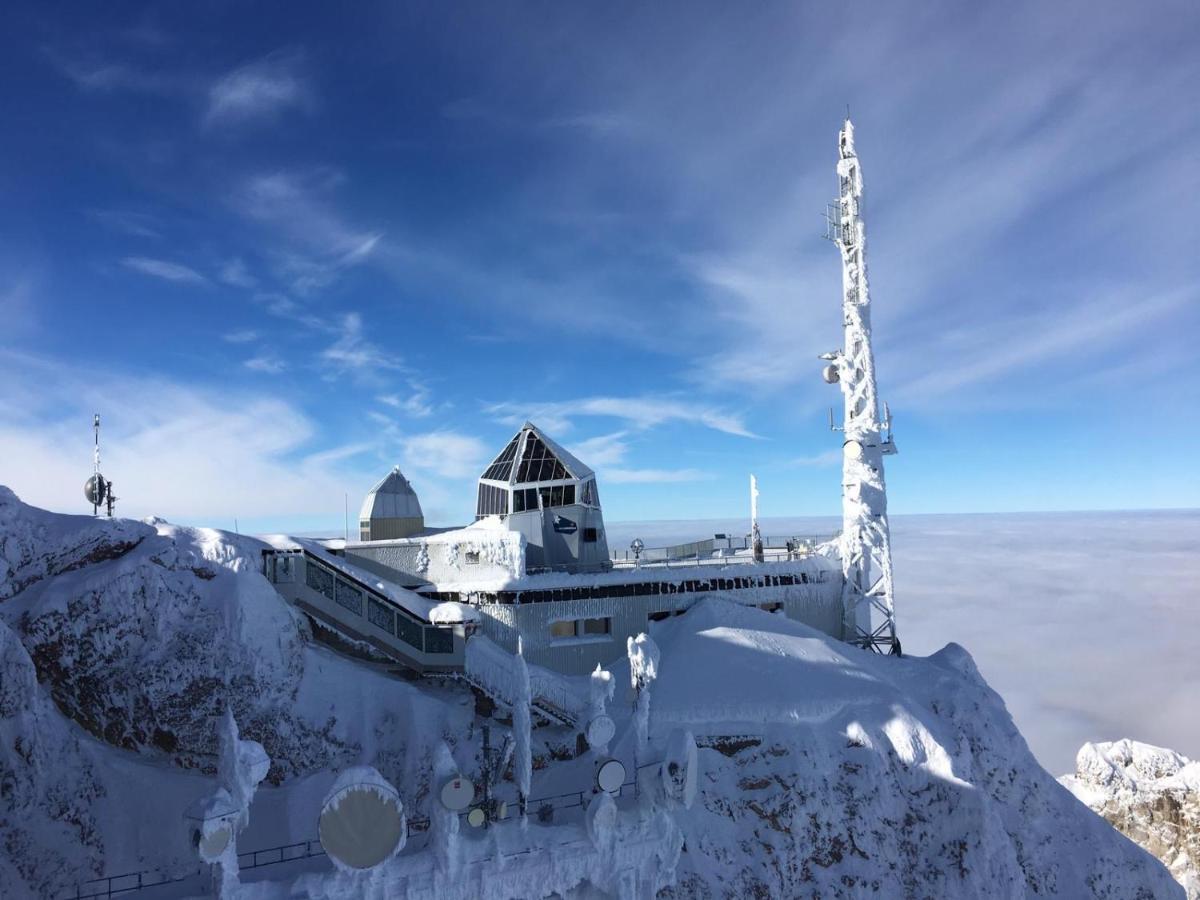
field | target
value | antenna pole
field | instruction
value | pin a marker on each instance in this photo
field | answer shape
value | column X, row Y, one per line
column 755, row 537
column 346, row 533
column 96, row 465
column 867, row 602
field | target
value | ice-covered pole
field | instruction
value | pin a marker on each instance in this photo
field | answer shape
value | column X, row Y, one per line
column 522, row 730
column 643, row 669
column 867, row 602
column 755, row 537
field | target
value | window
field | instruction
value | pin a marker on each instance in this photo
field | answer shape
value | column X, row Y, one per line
column 472, row 557
column 493, row 501
column 525, row 498
column 591, row 496
column 379, row 615
column 580, row 628
column 596, row 626
column 319, row 579
column 347, row 596
column 562, row 629
column 590, row 536
column 501, row 468
column 538, row 463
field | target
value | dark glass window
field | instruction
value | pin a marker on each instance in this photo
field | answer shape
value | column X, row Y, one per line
column 318, row 578
column 349, row 597
column 590, row 536
column 380, row 616
column 568, row 494
column 525, row 498
column 562, row 629
column 501, row 467
column 493, row 501
column 538, row 463
column 596, row 626
column 591, row 496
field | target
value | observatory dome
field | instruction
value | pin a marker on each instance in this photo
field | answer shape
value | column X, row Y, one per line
column 390, row 510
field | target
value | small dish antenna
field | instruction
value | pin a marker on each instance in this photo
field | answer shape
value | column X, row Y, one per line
column 362, row 822
column 600, row 730
column 476, row 817
column 457, row 793
column 610, row 776
column 211, row 821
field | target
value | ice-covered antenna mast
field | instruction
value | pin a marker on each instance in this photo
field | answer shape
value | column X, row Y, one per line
column 96, row 489
column 868, row 613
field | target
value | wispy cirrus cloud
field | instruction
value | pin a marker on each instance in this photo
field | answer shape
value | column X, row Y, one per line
column 235, row 273
column 260, row 91
column 241, row 336
column 418, row 403
column 656, row 476
column 449, row 454
column 266, row 363
column 639, row 412
column 355, row 354
column 164, row 269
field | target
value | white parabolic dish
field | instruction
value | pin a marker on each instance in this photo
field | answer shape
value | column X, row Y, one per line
column 213, row 844
column 362, row 823
column 457, row 794
column 610, row 776
column 600, row 731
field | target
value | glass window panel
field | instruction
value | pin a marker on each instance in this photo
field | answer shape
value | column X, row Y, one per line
column 562, row 629
column 381, row 616
column 545, row 492
column 556, row 495
column 568, row 495
column 596, row 626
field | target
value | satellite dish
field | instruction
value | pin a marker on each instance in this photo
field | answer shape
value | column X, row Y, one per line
column 95, row 489
column 362, row 821
column 210, row 846
column 476, row 817
column 457, row 794
column 610, row 776
column 600, row 730
column 830, row 374
column 853, row 449
column 213, row 819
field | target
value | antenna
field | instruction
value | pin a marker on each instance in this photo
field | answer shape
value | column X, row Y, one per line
column 97, row 490
column 755, row 537
column 866, row 546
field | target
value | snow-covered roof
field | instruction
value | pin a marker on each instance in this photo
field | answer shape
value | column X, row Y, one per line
column 392, row 498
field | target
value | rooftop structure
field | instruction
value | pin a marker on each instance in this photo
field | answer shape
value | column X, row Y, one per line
column 390, row 510
column 545, row 493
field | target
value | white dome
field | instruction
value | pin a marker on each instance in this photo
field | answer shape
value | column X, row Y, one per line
column 392, row 498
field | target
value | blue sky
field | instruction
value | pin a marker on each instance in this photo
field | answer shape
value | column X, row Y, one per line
column 282, row 249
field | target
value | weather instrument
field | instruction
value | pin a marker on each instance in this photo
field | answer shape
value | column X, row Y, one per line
column 362, row 823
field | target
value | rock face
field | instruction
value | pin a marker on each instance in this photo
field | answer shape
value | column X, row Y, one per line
column 1151, row 794
column 48, row 786
column 143, row 633
column 830, row 772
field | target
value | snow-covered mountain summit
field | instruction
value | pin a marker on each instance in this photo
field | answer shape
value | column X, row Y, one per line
column 824, row 771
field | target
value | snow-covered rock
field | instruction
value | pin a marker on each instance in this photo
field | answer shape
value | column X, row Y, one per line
column 832, row 772
column 1151, row 794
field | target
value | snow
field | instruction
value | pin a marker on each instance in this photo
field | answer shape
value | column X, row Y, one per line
column 821, row 770
column 1151, row 794
column 452, row 612
column 680, row 768
column 522, row 701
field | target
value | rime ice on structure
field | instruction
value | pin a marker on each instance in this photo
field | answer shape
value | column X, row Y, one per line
column 868, row 619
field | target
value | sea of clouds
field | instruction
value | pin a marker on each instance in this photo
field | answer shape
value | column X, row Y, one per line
column 1088, row 624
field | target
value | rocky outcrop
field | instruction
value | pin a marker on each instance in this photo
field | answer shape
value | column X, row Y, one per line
column 1150, row 794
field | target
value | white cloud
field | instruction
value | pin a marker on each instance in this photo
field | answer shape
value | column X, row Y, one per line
column 640, row 412
column 417, row 404
column 602, row 450
column 159, row 268
column 449, row 454
column 267, row 363
column 179, row 451
column 353, row 353
column 243, row 336
column 260, row 91
column 129, row 222
column 235, row 274
column 655, row 476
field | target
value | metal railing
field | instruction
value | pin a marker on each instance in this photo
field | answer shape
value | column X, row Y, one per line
column 720, row 549
column 117, row 885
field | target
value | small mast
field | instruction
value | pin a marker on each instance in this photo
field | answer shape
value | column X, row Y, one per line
column 868, row 612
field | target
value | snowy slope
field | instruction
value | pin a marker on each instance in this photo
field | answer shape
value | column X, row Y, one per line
column 825, row 772
column 121, row 641
column 1151, row 794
